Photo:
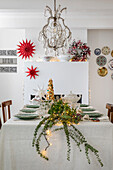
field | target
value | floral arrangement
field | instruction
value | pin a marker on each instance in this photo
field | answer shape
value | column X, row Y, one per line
column 79, row 50
column 61, row 113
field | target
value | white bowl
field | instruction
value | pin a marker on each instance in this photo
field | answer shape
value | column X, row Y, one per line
column 64, row 58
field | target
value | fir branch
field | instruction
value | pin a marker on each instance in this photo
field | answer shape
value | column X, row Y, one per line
column 38, row 140
column 57, row 129
column 78, row 136
column 87, row 147
column 37, row 128
column 74, row 138
column 68, row 140
column 81, row 135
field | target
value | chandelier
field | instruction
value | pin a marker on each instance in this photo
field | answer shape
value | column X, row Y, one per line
column 55, row 35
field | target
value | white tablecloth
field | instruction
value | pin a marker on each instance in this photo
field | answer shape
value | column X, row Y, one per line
column 17, row 153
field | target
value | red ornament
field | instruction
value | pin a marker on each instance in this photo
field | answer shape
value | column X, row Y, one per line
column 32, row 72
column 26, row 49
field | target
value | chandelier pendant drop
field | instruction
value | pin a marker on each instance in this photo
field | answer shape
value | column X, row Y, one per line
column 55, row 34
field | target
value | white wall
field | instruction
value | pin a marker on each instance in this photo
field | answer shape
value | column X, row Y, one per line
column 72, row 6
column 101, row 87
column 67, row 76
column 79, row 18
column 11, row 84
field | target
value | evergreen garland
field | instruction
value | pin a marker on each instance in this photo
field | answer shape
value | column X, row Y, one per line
column 61, row 112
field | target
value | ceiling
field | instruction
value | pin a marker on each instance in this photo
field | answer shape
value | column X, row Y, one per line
column 72, row 5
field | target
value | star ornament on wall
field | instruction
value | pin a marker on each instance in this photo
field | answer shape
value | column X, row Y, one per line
column 26, row 49
column 32, row 72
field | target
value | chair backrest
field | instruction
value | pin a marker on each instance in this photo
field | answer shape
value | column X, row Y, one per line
column 0, row 123
column 110, row 111
column 0, row 120
column 6, row 110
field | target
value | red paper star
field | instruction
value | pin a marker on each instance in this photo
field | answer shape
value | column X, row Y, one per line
column 26, row 49
column 32, row 72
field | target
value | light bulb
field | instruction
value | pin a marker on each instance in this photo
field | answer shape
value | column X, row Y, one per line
column 43, row 152
column 48, row 132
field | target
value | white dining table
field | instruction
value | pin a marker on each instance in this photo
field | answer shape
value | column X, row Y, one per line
column 17, row 153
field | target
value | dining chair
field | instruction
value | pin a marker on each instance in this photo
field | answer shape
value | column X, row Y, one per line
column 0, row 120
column 0, row 123
column 110, row 111
column 6, row 110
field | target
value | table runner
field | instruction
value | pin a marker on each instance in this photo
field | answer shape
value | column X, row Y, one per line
column 16, row 147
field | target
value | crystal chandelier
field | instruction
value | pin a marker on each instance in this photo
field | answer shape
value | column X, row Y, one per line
column 55, row 35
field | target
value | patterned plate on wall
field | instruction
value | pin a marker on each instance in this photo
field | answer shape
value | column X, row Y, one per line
column 101, row 60
column 102, row 71
column 106, row 50
column 97, row 51
column 112, row 76
column 110, row 64
column 112, row 53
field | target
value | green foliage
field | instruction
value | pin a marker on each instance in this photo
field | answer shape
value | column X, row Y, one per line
column 61, row 112
column 68, row 140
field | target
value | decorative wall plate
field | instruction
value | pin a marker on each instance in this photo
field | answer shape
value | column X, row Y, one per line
column 110, row 64
column 102, row 71
column 101, row 60
column 112, row 53
column 112, row 76
column 97, row 51
column 106, row 50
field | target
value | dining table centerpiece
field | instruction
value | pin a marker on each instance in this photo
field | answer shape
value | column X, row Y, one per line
column 79, row 51
column 60, row 113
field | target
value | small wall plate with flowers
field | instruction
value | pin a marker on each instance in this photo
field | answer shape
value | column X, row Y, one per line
column 101, row 60
column 112, row 76
column 106, row 50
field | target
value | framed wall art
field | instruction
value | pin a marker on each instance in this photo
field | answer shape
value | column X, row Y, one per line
column 8, row 69
column 8, row 60
column 8, row 53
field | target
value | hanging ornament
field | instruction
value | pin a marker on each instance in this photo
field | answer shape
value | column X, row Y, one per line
column 32, row 72
column 26, row 49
